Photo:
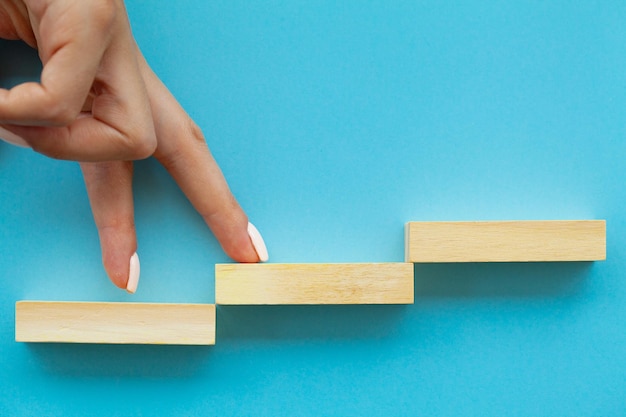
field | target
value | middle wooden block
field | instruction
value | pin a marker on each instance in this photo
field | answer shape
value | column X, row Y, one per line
column 273, row 284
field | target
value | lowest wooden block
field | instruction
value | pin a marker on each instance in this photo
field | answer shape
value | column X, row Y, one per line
column 131, row 323
column 506, row 241
column 365, row 283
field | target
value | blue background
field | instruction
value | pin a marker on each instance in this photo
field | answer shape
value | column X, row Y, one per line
column 335, row 123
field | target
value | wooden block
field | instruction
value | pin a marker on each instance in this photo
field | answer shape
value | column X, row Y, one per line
column 506, row 241
column 132, row 323
column 365, row 283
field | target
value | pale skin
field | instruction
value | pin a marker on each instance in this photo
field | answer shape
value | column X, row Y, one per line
column 100, row 104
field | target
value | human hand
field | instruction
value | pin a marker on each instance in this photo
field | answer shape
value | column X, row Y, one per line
column 99, row 103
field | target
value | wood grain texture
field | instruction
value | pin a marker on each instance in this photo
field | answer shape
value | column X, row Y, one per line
column 119, row 323
column 506, row 241
column 365, row 283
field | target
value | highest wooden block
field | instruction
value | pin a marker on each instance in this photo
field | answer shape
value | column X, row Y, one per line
column 366, row 283
column 506, row 241
column 132, row 323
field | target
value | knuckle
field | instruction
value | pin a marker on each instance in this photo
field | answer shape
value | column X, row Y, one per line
column 120, row 225
column 105, row 13
column 135, row 147
column 194, row 132
column 143, row 146
column 175, row 157
column 227, row 211
column 101, row 172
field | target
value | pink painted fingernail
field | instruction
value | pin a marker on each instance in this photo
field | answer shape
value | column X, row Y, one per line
column 258, row 243
column 133, row 274
column 12, row 138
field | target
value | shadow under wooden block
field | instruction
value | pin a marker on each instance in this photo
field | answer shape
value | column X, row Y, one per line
column 506, row 241
column 280, row 284
column 118, row 323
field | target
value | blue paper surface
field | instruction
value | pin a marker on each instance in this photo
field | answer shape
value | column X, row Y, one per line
column 335, row 123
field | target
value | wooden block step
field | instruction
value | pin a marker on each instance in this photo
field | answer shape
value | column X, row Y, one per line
column 364, row 283
column 506, row 241
column 119, row 323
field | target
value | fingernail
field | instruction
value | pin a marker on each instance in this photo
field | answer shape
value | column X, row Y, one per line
column 13, row 138
column 133, row 274
column 258, row 243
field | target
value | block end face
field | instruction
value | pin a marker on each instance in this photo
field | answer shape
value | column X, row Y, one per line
column 407, row 242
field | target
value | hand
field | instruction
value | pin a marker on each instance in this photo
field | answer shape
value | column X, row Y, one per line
column 99, row 103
